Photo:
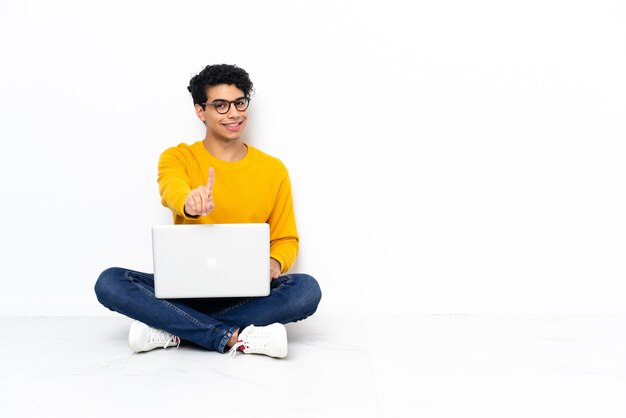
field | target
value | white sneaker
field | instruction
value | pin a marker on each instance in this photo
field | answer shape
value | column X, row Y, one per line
column 143, row 338
column 270, row 340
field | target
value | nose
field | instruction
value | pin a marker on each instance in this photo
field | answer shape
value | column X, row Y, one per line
column 232, row 112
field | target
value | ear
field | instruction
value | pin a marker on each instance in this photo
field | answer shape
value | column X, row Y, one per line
column 200, row 112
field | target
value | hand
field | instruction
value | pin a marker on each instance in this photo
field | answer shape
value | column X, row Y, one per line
column 274, row 269
column 199, row 201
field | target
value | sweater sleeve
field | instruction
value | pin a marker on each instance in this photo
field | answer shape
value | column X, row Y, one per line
column 174, row 183
column 283, row 232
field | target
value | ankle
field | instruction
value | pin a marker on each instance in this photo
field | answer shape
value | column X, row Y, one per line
column 233, row 339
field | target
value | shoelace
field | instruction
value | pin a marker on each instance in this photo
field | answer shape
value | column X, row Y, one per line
column 233, row 350
column 158, row 336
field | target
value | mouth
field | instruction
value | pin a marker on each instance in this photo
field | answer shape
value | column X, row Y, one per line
column 233, row 127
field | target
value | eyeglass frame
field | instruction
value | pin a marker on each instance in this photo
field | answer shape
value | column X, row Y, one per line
column 229, row 103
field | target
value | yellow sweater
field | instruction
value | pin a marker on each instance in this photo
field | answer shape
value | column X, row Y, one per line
column 255, row 189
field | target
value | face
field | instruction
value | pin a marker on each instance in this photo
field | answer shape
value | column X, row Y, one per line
column 226, row 127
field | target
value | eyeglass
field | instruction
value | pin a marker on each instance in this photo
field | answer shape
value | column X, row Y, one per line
column 223, row 106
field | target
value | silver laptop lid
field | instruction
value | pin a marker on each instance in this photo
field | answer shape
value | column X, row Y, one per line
column 218, row 260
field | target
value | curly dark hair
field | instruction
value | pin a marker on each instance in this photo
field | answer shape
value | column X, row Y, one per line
column 213, row 75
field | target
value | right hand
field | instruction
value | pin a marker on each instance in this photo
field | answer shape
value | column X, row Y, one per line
column 199, row 201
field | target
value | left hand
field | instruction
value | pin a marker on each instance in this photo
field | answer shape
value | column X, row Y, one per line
column 274, row 269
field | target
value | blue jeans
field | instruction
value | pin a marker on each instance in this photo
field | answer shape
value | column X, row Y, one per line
column 207, row 322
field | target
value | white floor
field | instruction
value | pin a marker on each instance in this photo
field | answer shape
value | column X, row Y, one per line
column 420, row 366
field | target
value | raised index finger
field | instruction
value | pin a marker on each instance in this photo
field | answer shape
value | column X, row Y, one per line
column 211, row 179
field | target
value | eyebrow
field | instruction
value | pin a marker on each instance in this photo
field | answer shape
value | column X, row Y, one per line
column 226, row 100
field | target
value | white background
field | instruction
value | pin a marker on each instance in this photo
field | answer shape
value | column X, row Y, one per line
column 446, row 157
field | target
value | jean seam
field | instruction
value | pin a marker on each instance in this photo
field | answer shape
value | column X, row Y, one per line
column 176, row 309
column 224, row 340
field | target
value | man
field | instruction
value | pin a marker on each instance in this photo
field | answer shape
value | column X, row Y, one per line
column 220, row 179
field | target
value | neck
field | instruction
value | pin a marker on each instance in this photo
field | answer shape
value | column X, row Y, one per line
column 230, row 151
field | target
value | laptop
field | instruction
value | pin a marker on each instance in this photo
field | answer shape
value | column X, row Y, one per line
column 211, row 261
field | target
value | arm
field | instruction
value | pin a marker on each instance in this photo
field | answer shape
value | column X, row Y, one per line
column 175, row 189
column 174, row 183
column 284, row 238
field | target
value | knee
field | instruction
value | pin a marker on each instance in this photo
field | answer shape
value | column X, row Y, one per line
column 108, row 283
column 310, row 290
